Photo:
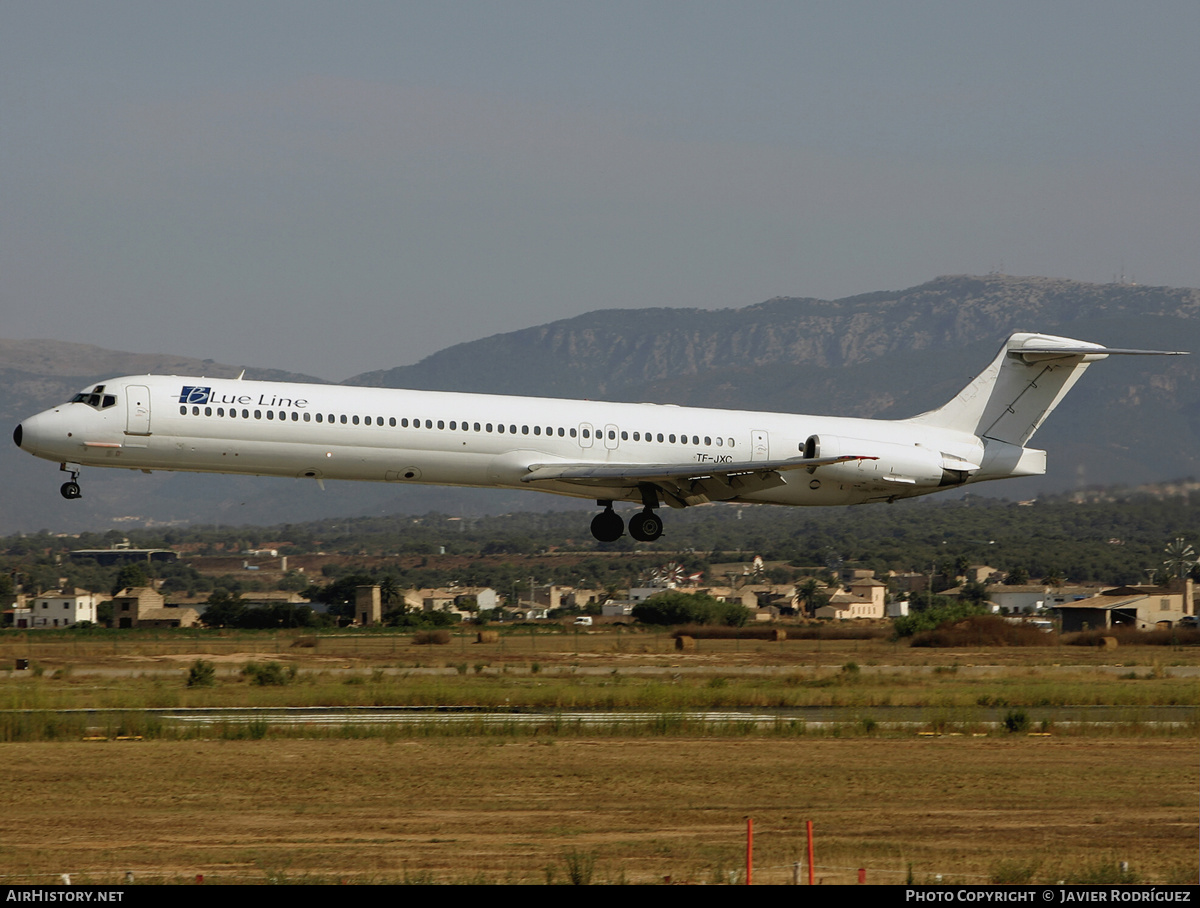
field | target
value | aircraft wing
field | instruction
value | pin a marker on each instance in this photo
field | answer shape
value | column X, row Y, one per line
column 684, row 484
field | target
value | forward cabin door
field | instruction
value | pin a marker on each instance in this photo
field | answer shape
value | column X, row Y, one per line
column 760, row 449
column 137, row 410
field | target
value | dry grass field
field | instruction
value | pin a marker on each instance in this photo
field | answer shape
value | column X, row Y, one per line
column 544, row 807
column 472, row 810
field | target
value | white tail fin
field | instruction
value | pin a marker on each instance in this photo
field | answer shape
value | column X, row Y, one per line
column 1011, row 398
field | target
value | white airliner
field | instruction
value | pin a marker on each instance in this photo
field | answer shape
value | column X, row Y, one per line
column 647, row 453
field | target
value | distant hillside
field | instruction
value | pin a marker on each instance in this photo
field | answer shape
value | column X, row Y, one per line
column 888, row 354
column 619, row 354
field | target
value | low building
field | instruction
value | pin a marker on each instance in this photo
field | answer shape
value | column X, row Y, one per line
column 464, row 601
column 144, row 607
column 168, row 616
column 58, row 608
column 1017, row 599
column 131, row 602
column 1141, row 607
column 865, row 598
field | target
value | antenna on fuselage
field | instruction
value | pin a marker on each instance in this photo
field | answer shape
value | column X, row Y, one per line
column 241, row 375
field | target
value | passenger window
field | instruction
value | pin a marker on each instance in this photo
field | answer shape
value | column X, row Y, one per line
column 537, row 430
column 477, row 427
column 524, row 430
column 296, row 416
column 307, row 417
column 572, row 432
column 560, row 432
column 429, row 424
column 489, row 427
column 441, row 425
column 182, row 410
column 500, row 428
column 392, row 421
column 354, row 419
column 270, row 414
column 624, row 436
column 512, row 430
column 258, row 414
column 343, row 419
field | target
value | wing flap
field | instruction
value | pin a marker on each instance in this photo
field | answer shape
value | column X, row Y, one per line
column 613, row 473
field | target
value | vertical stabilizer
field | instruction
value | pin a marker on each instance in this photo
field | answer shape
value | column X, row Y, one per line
column 1011, row 398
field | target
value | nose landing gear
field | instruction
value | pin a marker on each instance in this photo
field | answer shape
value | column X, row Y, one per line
column 70, row 490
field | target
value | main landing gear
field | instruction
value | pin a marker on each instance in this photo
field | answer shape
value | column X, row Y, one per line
column 70, row 490
column 607, row 526
column 645, row 526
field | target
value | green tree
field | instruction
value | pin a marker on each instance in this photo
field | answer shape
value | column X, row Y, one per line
column 813, row 594
column 225, row 609
column 1018, row 576
column 672, row 608
column 129, row 577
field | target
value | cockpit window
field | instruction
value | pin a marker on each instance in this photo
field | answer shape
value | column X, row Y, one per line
column 96, row 398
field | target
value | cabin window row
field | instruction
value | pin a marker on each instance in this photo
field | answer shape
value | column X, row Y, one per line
column 454, row 425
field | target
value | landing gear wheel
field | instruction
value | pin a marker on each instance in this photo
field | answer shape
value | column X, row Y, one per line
column 645, row 526
column 607, row 526
column 70, row 490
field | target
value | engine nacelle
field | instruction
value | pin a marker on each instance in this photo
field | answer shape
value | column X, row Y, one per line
column 899, row 466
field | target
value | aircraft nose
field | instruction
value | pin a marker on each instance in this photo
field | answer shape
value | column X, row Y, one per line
column 29, row 435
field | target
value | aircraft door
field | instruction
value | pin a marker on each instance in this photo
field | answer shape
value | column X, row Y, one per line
column 612, row 437
column 137, row 410
column 585, row 434
column 760, row 448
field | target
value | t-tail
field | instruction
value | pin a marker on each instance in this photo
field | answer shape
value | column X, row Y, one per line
column 1010, row 399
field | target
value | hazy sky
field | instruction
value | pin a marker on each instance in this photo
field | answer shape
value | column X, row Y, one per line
column 335, row 187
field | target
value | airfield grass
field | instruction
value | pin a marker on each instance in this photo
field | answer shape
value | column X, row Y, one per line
column 551, row 645
column 501, row 810
column 556, row 803
column 523, row 689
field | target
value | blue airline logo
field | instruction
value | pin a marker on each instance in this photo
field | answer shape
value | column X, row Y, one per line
column 192, row 394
